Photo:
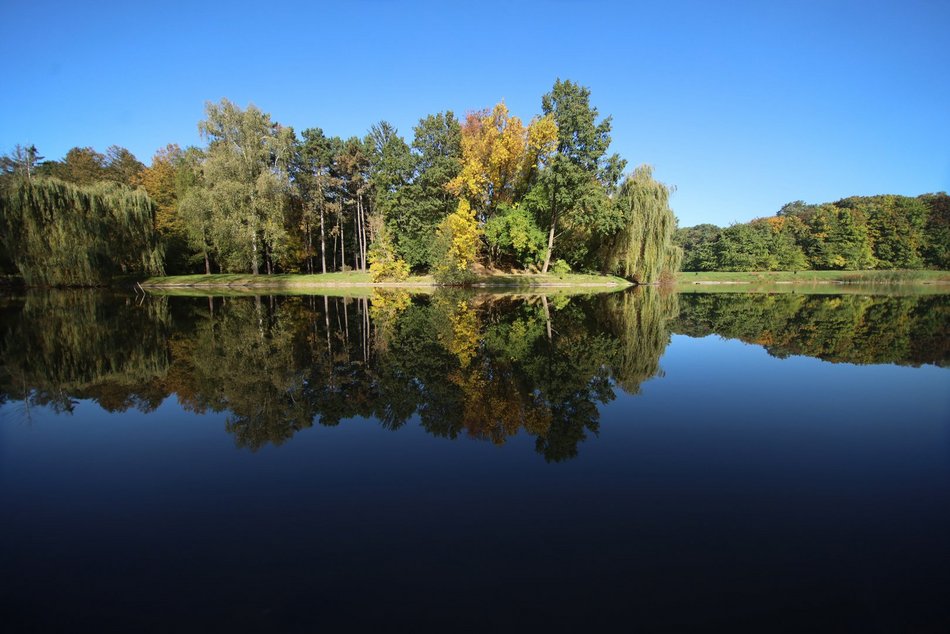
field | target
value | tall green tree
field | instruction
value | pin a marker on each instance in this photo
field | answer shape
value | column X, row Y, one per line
column 318, row 188
column 246, row 184
column 421, row 205
column 571, row 192
column 352, row 167
column 696, row 244
column 80, row 166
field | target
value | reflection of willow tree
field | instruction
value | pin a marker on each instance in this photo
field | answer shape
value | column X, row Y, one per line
column 57, row 346
column 639, row 319
column 837, row 328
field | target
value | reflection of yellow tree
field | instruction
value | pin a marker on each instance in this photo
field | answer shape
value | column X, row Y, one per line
column 461, row 336
column 493, row 404
column 384, row 310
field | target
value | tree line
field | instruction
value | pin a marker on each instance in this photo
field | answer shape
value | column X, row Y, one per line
column 856, row 233
column 487, row 190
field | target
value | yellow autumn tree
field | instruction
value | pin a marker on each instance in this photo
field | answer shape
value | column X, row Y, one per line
column 159, row 180
column 456, row 246
column 500, row 157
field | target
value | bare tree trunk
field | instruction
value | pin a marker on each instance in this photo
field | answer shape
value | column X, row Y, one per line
column 342, row 249
column 326, row 317
column 547, row 314
column 254, row 253
column 365, row 243
column 207, row 264
column 323, row 244
column 309, row 249
column 356, row 249
column 547, row 256
column 346, row 325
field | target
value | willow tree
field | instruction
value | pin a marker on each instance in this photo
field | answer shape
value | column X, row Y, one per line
column 59, row 234
column 643, row 249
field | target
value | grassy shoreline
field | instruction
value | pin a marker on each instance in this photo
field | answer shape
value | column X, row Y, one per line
column 358, row 280
column 712, row 278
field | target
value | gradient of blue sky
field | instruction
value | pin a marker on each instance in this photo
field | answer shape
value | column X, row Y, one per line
column 743, row 106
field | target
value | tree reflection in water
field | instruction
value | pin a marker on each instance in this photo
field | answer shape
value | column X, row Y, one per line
column 468, row 365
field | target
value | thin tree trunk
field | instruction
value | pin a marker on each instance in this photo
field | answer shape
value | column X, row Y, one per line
column 547, row 314
column 547, row 256
column 323, row 244
column 309, row 248
column 342, row 250
column 207, row 264
column 356, row 234
column 365, row 243
column 254, row 253
column 346, row 324
column 326, row 317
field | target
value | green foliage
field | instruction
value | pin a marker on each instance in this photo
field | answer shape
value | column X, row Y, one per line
column 560, row 267
column 696, row 243
column 85, row 166
column 514, row 238
column 422, row 204
column 59, row 234
column 841, row 328
column 570, row 197
column 244, row 186
column 390, row 164
column 837, row 240
column 936, row 247
column 857, row 233
column 643, row 249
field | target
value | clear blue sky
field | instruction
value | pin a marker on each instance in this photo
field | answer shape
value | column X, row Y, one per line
column 743, row 106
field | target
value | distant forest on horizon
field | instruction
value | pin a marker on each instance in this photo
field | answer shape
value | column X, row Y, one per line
column 855, row 233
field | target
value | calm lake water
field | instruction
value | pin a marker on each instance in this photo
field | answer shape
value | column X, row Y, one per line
column 776, row 462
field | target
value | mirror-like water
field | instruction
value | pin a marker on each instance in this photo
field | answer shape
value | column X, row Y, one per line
column 282, row 463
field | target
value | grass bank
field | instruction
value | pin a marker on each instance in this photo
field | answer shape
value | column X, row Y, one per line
column 303, row 283
column 813, row 277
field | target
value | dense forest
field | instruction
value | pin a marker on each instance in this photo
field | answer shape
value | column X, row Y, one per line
column 860, row 232
column 485, row 191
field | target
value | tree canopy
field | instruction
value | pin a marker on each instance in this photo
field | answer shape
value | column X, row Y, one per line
column 488, row 190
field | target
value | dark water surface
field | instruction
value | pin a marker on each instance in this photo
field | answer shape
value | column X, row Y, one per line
column 469, row 462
